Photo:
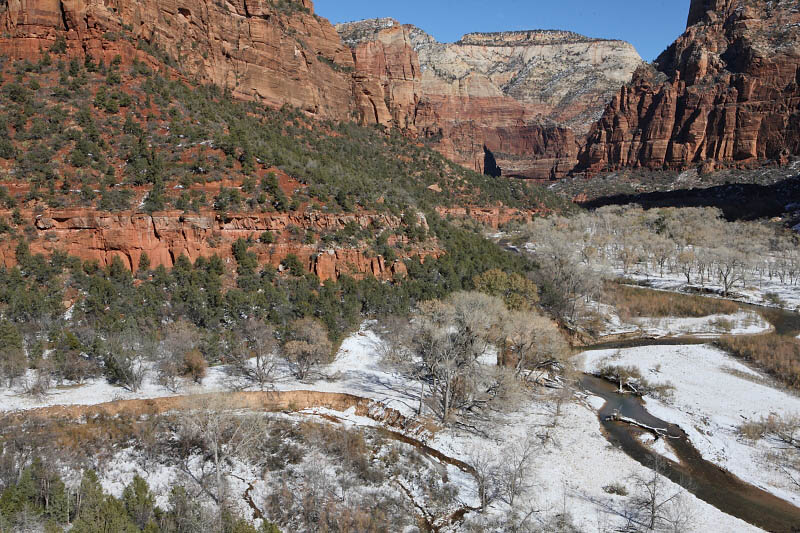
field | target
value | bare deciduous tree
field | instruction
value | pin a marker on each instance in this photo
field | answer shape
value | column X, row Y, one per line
column 38, row 383
column 210, row 438
column 530, row 341
column 125, row 358
column 657, row 505
column 255, row 361
column 180, row 340
column 307, row 347
column 448, row 338
column 515, row 470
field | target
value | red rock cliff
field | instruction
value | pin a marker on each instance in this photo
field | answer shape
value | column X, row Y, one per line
column 92, row 235
column 724, row 94
column 506, row 103
column 278, row 56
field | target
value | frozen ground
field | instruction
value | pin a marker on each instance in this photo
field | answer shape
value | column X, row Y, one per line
column 355, row 370
column 713, row 395
column 572, row 464
column 767, row 292
column 745, row 322
column 771, row 293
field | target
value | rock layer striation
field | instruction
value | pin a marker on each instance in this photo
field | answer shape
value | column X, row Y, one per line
column 513, row 103
column 278, row 53
column 726, row 93
column 98, row 236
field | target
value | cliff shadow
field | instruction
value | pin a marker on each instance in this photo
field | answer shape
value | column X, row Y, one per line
column 490, row 167
column 737, row 201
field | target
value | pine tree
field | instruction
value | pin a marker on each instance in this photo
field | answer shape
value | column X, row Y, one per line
column 13, row 362
column 139, row 501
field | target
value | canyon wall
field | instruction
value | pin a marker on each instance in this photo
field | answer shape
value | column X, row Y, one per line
column 726, row 93
column 528, row 104
column 514, row 103
column 98, row 236
column 279, row 56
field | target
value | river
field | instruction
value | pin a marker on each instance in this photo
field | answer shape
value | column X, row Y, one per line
column 704, row 479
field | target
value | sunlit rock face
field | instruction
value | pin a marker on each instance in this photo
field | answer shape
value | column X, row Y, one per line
column 276, row 56
column 525, row 98
column 724, row 94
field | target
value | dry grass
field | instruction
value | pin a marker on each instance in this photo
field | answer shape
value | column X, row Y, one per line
column 632, row 302
column 777, row 355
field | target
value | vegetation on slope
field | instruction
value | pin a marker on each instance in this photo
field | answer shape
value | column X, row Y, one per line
column 85, row 134
column 79, row 134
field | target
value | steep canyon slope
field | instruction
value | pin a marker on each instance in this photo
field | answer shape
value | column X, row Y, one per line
column 514, row 103
column 114, row 146
column 527, row 104
column 276, row 53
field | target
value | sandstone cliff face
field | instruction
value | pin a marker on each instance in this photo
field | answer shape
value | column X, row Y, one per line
column 91, row 235
column 724, row 94
column 513, row 100
column 278, row 56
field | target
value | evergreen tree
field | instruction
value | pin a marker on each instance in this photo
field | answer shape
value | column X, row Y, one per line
column 139, row 501
column 13, row 361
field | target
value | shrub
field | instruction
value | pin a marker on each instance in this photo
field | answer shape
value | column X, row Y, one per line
column 60, row 46
column 616, row 488
column 307, row 347
column 630, row 379
column 518, row 292
column 13, row 361
column 293, row 265
column 779, row 356
column 775, row 299
column 7, row 150
column 194, row 365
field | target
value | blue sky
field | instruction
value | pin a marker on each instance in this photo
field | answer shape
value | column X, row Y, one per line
column 651, row 25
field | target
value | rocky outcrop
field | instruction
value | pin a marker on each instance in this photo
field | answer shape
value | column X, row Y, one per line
column 278, row 54
column 726, row 93
column 388, row 77
column 506, row 103
column 91, row 235
column 493, row 217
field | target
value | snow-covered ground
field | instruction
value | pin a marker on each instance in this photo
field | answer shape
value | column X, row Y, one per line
column 760, row 291
column 741, row 323
column 745, row 322
column 713, row 395
column 95, row 391
column 570, row 469
column 770, row 293
column 574, row 465
column 356, row 370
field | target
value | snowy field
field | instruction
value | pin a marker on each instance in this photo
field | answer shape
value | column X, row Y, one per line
column 713, row 395
column 355, row 370
column 745, row 322
column 767, row 293
column 572, row 464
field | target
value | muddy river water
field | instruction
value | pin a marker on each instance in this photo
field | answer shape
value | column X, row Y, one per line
column 705, row 480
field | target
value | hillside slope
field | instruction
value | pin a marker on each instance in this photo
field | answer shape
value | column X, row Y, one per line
column 109, row 156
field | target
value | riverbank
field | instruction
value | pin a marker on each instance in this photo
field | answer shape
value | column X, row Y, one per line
column 712, row 395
